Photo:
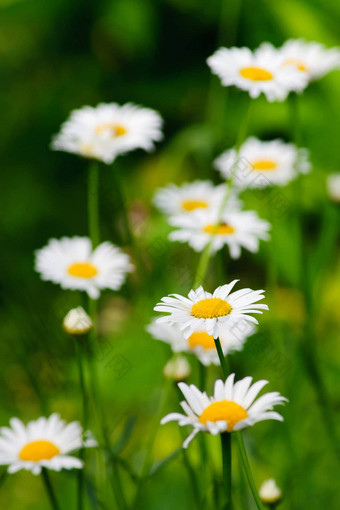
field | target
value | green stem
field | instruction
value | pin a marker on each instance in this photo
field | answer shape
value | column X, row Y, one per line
column 80, row 477
column 193, row 479
column 93, row 228
column 129, row 237
column 92, row 203
column 246, row 466
column 226, row 463
column 79, row 351
column 49, row 489
column 149, row 449
column 221, row 357
column 206, row 254
column 117, row 487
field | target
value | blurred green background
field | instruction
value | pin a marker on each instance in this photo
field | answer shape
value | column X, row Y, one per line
column 58, row 55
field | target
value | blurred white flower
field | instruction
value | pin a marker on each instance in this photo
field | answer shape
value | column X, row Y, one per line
column 193, row 196
column 77, row 322
column 200, row 343
column 107, row 130
column 231, row 408
column 333, row 186
column 177, row 369
column 45, row 442
column 236, row 229
column 260, row 164
column 73, row 264
column 269, row 492
column 310, row 58
column 257, row 72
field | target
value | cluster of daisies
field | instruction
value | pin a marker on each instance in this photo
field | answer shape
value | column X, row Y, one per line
column 100, row 133
column 202, row 214
column 194, row 323
column 205, row 215
column 275, row 72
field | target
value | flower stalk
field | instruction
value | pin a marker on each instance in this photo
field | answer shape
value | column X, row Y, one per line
column 49, row 489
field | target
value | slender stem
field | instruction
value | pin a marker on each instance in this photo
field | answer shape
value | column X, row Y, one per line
column 80, row 361
column 207, row 252
column 226, row 463
column 246, row 466
column 92, row 203
column 117, row 487
column 79, row 349
column 221, row 357
column 149, row 449
column 225, row 438
column 122, row 208
column 94, row 234
column 193, row 479
column 49, row 489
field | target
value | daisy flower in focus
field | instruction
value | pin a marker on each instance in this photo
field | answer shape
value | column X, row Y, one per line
column 232, row 407
column 257, row 72
column 261, row 164
column 193, row 196
column 236, row 229
column 212, row 313
column 311, row 59
column 107, row 130
column 333, row 187
column 73, row 264
column 45, row 442
column 200, row 343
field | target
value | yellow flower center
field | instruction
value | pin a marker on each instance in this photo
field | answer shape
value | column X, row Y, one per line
column 38, row 450
column 295, row 62
column 82, row 270
column 264, row 164
column 115, row 129
column 221, row 230
column 191, row 205
column 256, row 74
column 201, row 339
column 226, row 410
column 210, row 308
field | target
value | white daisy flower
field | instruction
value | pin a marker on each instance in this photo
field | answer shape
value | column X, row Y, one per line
column 45, row 442
column 107, row 130
column 73, row 264
column 311, row 59
column 333, row 186
column 213, row 313
column 231, row 408
column 257, row 72
column 236, row 229
column 261, row 164
column 192, row 196
column 200, row 343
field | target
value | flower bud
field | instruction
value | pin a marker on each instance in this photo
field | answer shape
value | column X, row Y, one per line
column 77, row 322
column 333, row 187
column 177, row 369
column 269, row 492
